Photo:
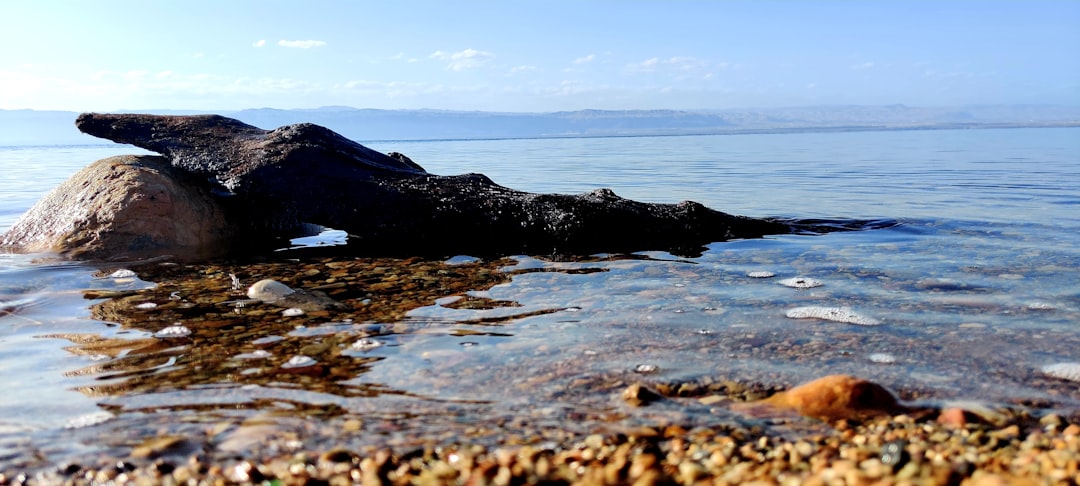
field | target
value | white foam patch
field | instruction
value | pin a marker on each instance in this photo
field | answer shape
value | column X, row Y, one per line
column 835, row 314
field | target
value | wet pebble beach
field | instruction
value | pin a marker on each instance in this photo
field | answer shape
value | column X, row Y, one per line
column 223, row 384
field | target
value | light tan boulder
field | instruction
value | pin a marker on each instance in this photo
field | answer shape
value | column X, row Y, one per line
column 125, row 207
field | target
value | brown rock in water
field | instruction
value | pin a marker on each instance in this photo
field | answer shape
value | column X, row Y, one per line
column 834, row 397
column 125, row 207
column 638, row 395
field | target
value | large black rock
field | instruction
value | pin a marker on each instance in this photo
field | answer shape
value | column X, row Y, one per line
column 285, row 180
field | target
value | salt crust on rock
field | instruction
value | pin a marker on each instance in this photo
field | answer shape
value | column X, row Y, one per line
column 835, row 314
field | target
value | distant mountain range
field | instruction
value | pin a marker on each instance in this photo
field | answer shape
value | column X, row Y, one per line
column 32, row 127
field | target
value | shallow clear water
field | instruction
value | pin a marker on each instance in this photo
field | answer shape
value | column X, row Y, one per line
column 976, row 290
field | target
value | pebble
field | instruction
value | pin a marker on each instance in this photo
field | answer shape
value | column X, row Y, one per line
column 365, row 344
column 835, row 314
column 269, row 291
column 292, row 312
column 833, row 397
column 882, row 358
column 122, row 273
column 174, row 331
column 645, row 369
column 299, row 361
column 146, row 306
column 801, row 283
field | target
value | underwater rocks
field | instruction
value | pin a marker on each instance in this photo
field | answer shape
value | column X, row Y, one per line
column 276, row 293
column 296, row 179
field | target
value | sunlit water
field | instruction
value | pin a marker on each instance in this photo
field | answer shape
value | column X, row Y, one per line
column 976, row 290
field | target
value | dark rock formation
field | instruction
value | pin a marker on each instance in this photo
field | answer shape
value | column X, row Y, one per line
column 285, row 180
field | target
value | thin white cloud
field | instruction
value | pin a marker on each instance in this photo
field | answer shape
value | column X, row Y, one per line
column 301, row 44
column 585, row 59
column 259, row 43
column 865, row 65
column 683, row 64
column 646, row 66
column 521, row 69
column 462, row 60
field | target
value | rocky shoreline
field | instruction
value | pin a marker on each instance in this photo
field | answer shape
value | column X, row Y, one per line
column 642, row 435
column 892, row 450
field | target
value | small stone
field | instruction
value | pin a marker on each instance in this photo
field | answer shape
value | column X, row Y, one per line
column 801, row 283
column 830, row 398
column 835, row 314
column 122, row 273
column 173, row 332
column 638, row 395
column 299, row 361
column 292, row 312
column 146, row 306
column 894, row 455
column 646, row 369
column 882, row 358
column 269, row 291
column 366, row 344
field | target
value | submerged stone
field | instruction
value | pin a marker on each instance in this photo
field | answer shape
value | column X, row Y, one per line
column 835, row 314
column 801, row 283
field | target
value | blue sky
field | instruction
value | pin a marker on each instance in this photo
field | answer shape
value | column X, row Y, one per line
column 521, row 55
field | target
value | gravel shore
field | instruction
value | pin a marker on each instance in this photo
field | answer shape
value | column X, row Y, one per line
column 892, row 450
column 636, row 435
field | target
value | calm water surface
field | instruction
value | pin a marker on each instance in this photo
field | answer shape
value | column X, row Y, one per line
column 975, row 290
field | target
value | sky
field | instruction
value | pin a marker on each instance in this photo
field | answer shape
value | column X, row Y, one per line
column 534, row 56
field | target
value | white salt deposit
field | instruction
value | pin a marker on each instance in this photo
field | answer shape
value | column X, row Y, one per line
column 882, row 358
column 146, row 306
column 835, row 314
column 122, row 273
column 646, row 368
column 268, row 290
column 299, row 361
column 801, row 282
column 1065, row 371
column 292, row 312
column 761, row 274
column 174, row 331
column 365, row 344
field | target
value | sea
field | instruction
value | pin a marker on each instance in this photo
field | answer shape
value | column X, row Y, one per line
column 971, row 293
